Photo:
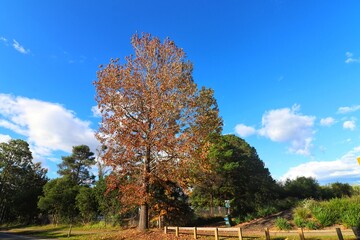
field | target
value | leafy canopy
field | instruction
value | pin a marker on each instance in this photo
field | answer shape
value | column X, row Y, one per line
column 20, row 179
column 76, row 166
column 155, row 122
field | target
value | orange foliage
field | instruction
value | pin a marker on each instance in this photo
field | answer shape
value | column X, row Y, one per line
column 155, row 122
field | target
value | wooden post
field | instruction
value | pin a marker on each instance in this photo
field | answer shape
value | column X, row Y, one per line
column 339, row 234
column 301, row 234
column 165, row 229
column 159, row 221
column 177, row 231
column 69, row 233
column 216, row 234
column 267, row 234
column 195, row 233
column 356, row 232
column 240, row 234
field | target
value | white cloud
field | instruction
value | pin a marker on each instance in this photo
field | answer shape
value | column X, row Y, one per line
column 19, row 47
column 96, row 111
column 350, row 58
column 4, row 138
column 344, row 167
column 288, row 125
column 327, row 122
column 351, row 125
column 244, row 131
column 48, row 126
column 344, row 110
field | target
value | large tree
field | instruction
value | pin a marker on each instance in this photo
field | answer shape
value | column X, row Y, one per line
column 60, row 194
column 154, row 119
column 302, row 187
column 235, row 173
column 59, row 200
column 20, row 179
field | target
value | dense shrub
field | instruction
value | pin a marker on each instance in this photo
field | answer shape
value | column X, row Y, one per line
column 312, row 224
column 313, row 215
column 324, row 214
column 282, row 224
column 266, row 211
column 303, row 217
column 350, row 218
column 302, row 212
column 299, row 222
column 249, row 217
column 286, row 203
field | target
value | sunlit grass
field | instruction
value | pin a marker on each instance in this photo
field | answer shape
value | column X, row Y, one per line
column 91, row 231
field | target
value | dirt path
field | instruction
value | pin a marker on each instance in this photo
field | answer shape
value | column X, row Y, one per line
column 12, row 236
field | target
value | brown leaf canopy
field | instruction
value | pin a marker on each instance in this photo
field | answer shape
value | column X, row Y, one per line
column 153, row 116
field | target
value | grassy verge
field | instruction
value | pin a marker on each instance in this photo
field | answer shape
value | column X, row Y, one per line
column 61, row 232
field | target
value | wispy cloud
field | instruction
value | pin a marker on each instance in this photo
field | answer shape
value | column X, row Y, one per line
column 285, row 125
column 327, row 122
column 18, row 47
column 73, row 59
column 350, row 58
column 345, row 110
column 3, row 39
column 344, row 167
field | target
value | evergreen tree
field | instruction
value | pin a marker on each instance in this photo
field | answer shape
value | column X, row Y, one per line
column 21, row 182
column 235, row 173
column 76, row 166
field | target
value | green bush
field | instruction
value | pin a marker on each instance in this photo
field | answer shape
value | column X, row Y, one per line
column 350, row 218
column 238, row 220
column 287, row 203
column 312, row 224
column 325, row 214
column 299, row 222
column 249, row 217
column 282, row 224
column 302, row 212
column 344, row 211
column 266, row 211
column 338, row 206
column 309, row 203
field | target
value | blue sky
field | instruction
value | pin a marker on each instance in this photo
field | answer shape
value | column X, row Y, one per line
column 286, row 74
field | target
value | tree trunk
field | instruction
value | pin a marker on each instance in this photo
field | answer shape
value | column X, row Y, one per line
column 143, row 221
column 144, row 208
column 211, row 205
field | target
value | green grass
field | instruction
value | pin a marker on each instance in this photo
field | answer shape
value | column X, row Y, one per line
column 61, row 231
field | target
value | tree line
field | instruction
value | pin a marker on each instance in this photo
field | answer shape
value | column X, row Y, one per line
column 235, row 173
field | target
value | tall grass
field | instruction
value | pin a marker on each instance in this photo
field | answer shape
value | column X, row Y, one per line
column 282, row 224
column 351, row 216
column 312, row 214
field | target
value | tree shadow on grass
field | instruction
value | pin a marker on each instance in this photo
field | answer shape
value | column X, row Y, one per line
column 53, row 232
